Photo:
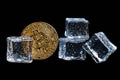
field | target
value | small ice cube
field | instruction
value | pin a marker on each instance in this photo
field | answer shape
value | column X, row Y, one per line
column 77, row 28
column 71, row 49
column 99, row 47
column 19, row 49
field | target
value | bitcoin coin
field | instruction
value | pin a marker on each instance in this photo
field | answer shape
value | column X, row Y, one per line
column 44, row 39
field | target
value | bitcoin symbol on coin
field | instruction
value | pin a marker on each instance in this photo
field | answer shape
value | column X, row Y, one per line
column 45, row 39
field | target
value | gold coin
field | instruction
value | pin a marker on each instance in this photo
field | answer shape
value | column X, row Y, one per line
column 45, row 39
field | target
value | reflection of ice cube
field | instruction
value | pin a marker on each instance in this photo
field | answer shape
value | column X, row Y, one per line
column 99, row 47
column 71, row 49
column 77, row 27
column 19, row 49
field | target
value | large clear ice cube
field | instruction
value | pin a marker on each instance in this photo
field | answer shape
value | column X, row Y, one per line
column 99, row 47
column 71, row 49
column 77, row 28
column 19, row 49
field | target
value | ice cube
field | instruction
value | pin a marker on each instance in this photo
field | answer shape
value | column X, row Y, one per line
column 99, row 47
column 71, row 49
column 77, row 28
column 19, row 49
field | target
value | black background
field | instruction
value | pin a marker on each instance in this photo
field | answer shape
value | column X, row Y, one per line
column 103, row 16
